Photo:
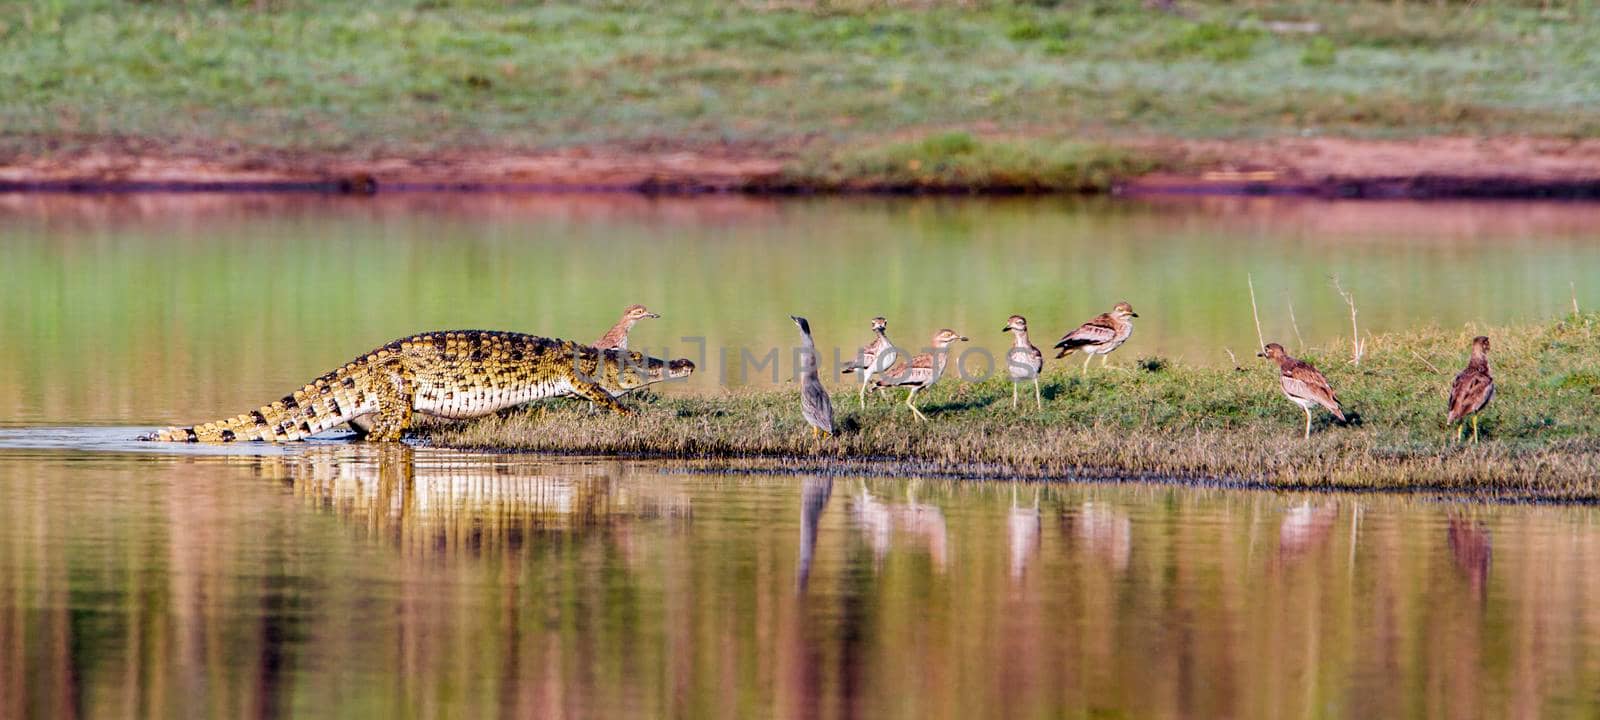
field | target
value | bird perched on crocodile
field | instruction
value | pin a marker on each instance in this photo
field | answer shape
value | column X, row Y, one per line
column 450, row 374
column 617, row 336
column 1100, row 336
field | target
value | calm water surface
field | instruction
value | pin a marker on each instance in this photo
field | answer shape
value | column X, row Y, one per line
column 341, row 580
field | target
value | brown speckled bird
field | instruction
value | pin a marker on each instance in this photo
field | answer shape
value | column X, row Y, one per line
column 873, row 358
column 1023, row 361
column 923, row 370
column 617, row 336
column 1099, row 336
column 1472, row 390
column 1303, row 384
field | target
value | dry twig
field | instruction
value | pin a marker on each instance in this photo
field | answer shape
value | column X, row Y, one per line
column 1260, row 341
column 1358, row 347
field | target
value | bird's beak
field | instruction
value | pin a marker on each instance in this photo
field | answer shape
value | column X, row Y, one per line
column 1133, row 314
column 963, row 338
column 1261, row 355
column 653, row 315
column 1006, row 329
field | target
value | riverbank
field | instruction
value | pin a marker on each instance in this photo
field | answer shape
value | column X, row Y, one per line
column 951, row 162
column 1541, row 436
column 1368, row 99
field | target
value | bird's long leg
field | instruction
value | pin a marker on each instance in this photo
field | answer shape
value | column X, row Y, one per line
column 862, row 396
column 1460, row 429
column 1013, row 396
column 914, row 409
column 1474, row 428
column 816, row 432
column 1308, row 423
column 1036, row 398
column 1087, row 357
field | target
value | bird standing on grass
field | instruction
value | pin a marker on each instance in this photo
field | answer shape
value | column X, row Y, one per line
column 814, row 402
column 923, row 370
column 1100, row 336
column 1303, row 384
column 617, row 336
column 874, row 357
column 1023, row 361
column 1472, row 390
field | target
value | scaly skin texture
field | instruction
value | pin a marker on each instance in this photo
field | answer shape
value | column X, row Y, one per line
column 452, row 374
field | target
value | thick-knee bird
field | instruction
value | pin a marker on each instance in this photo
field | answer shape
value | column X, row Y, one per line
column 1472, row 389
column 1303, row 384
column 1024, row 362
column 873, row 358
column 1099, row 336
column 923, row 370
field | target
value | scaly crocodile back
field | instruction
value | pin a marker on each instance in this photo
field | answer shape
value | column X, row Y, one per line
column 451, row 374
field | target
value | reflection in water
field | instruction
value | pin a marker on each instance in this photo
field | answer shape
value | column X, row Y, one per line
column 881, row 521
column 444, row 503
column 814, row 493
column 357, row 581
column 1305, row 527
column 1105, row 532
column 1024, row 526
column 1471, row 546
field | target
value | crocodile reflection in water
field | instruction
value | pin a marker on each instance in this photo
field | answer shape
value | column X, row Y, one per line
column 444, row 501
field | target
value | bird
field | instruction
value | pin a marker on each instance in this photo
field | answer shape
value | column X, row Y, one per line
column 1023, row 360
column 1472, row 389
column 874, row 357
column 1303, row 384
column 923, row 370
column 617, row 336
column 814, row 402
column 1099, row 336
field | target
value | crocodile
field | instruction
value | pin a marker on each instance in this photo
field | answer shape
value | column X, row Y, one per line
column 456, row 374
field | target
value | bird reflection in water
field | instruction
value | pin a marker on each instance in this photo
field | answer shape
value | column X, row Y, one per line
column 1472, row 548
column 1305, row 527
column 881, row 521
column 1023, row 525
column 814, row 494
column 1105, row 531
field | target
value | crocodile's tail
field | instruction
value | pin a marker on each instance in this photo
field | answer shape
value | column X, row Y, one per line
column 328, row 402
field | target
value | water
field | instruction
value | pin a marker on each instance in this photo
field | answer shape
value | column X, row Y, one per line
column 114, row 308
column 341, row 580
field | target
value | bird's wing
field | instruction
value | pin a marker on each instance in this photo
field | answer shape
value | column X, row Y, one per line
column 1303, row 381
column 1469, row 393
column 1024, row 362
column 1096, row 331
column 816, row 406
column 918, row 371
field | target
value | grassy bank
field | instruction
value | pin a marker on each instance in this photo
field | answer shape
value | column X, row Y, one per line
column 903, row 94
column 1541, row 434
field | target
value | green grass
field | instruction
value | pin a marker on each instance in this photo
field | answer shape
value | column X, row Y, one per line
column 825, row 79
column 1161, row 419
column 957, row 161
